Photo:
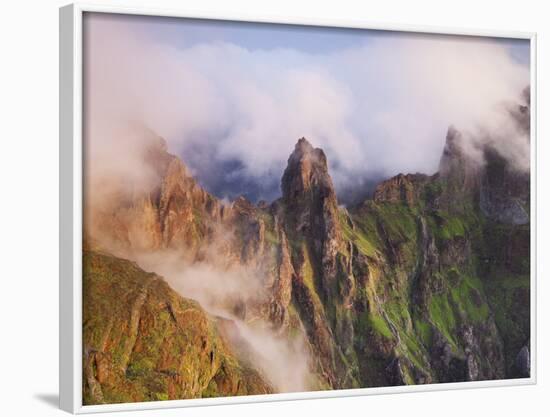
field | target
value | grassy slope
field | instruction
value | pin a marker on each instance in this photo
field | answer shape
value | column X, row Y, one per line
column 387, row 235
column 506, row 270
column 144, row 342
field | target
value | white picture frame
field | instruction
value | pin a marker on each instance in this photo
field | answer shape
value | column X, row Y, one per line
column 70, row 154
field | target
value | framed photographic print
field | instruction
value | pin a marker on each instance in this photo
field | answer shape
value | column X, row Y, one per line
column 258, row 209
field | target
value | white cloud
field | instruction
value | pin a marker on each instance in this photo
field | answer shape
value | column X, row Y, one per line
column 382, row 107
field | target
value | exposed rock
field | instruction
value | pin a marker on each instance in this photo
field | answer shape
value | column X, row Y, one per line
column 504, row 194
column 175, row 212
column 318, row 332
column 472, row 368
column 522, row 111
column 441, row 353
column 312, row 217
column 312, row 209
column 400, row 189
column 522, row 363
column 144, row 342
column 282, row 287
column 428, row 282
column 251, row 230
column 460, row 173
column 395, row 372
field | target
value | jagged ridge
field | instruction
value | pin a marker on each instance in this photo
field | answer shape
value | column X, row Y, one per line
column 427, row 282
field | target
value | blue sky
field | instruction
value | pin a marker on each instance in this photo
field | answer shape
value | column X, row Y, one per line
column 182, row 32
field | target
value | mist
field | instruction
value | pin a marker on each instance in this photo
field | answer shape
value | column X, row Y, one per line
column 378, row 108
column 233, row 114
column 224, row 289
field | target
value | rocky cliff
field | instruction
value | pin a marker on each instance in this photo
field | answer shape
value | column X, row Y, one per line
column 143, row 342
column 426, row 282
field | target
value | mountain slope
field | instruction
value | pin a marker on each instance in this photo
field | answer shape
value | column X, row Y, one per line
column 144, row 342
column 426, row 282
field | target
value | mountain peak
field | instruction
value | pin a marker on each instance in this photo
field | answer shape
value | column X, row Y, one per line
column 303, row 147
column 303, row 150
column 307, row 168
column 452, row 150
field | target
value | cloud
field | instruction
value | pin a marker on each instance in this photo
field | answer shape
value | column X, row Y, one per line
column 234, row 114
column 220, row 287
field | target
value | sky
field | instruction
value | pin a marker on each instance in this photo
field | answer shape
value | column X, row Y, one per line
column 232, row 98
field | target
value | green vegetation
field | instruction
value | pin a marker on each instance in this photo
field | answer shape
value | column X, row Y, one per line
column 381, row 226
column 433, row 190
column 467, row 296
column 307, row 271
column 358, row 237
column 468, row 247
column 146, row 343
column 271, row 235
column 381, row 220
column 446, row 226
column 211, row 390
column 509, row 298
column 424, row 330
column 399, row 219
column 373, row 290
column 442, row 316
column 378, row 324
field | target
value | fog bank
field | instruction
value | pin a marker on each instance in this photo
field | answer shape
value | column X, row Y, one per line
column 234, row 114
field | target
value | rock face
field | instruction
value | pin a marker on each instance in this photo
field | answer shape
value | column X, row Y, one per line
column 523, row 363
column 173, row 213
column 426, row 282
column 504, row 194
column 144, row 342
column 459, row 174
column 311, row 209
column 505, row 189
column 323, row 282
column 400, row 189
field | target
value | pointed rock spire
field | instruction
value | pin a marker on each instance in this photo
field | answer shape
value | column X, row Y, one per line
column 306, row 172
column 312, row 209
